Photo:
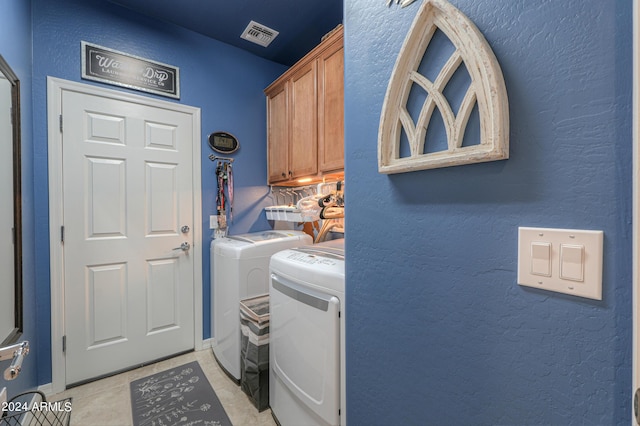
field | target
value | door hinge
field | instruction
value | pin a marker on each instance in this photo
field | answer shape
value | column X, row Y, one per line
column 64, row 344
column 60, row 123
column 62, row 234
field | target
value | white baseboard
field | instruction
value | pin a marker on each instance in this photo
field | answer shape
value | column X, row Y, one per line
column 47, row 389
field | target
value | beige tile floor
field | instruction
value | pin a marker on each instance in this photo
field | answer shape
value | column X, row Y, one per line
column 106, row 402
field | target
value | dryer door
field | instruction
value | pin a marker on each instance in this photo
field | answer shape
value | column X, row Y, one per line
column 305, row 343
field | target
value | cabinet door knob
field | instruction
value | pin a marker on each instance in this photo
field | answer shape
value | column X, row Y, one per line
column 284, row 174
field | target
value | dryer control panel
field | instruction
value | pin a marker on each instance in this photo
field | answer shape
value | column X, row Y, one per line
column 312, row 259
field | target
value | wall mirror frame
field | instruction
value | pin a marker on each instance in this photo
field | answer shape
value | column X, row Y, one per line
column 11, row 218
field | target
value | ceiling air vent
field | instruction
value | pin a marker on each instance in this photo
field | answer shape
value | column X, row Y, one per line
column 259, row 34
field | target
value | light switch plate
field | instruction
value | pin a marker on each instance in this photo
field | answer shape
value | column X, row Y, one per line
column 575, row 260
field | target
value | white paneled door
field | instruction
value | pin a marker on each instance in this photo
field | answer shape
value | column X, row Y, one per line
column 128, row 233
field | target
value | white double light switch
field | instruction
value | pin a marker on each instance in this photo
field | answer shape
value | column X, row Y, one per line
column 562, row 260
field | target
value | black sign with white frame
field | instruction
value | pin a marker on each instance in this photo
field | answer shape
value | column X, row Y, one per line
column 121, row 69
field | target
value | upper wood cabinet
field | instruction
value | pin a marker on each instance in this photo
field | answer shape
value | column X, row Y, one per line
column 278, row 131
column 303, row 118
column 331, row 108
column 305, row 115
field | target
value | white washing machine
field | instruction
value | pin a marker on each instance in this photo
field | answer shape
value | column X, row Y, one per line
column 240, row 269
column 307, row 335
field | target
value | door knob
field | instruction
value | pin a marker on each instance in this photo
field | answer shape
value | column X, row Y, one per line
column 184, row 229
column 184, row 246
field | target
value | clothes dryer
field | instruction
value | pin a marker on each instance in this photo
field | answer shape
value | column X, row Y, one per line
column 307, row 335
column 239, row 270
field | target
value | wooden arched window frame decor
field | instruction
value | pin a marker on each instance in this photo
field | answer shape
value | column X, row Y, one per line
column 486, row 92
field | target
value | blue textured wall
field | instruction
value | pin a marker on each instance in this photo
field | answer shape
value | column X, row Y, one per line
column 438, row 331
column 225, row 82
column 15, row 47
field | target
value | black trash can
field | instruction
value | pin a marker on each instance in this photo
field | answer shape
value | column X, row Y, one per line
column 254, row 350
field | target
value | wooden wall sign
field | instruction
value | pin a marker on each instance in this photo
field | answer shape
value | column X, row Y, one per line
column 486, row 91
column 120, row 69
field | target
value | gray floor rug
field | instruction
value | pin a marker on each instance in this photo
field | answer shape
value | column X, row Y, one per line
column 181, row 396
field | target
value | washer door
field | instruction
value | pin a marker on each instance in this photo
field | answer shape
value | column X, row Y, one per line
column 305, row 342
